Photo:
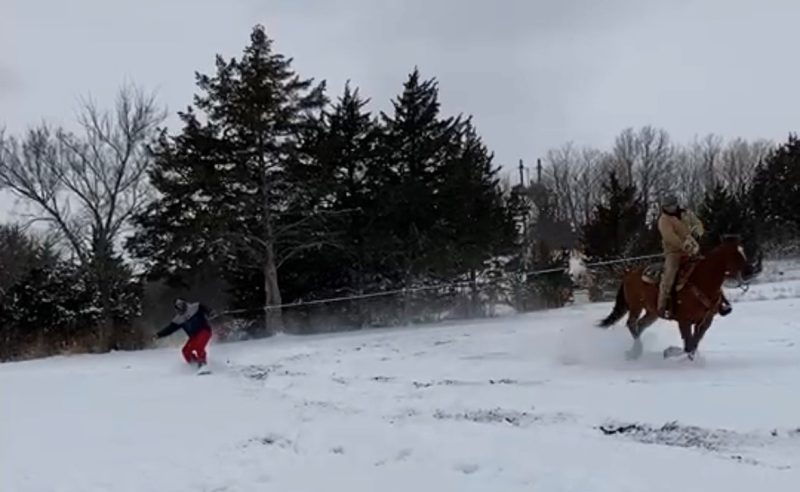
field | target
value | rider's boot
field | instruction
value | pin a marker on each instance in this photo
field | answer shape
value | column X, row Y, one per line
column 725, row 308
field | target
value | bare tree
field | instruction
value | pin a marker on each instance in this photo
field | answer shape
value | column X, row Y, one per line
column 589, row 182
column 705, row 154
column 86, row 187
column 654, row 169
column 562, row 174
column 626, row 153
column 738, row 162
column 689, row 182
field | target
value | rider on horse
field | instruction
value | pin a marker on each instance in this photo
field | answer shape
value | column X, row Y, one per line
column 680, row 231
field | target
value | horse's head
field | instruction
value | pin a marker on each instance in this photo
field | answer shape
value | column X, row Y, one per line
column 735, row 259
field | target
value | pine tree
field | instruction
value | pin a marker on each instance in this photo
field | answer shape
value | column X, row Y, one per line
column 344, row 152
column 227, row 183
column 723, row 214
column 20, row 253
column 775, row 194
column 416, row 144
column 618, row 227
column 475, row 221
column 550, row 241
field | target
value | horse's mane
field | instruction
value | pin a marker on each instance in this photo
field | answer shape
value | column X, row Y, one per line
column 706, row 249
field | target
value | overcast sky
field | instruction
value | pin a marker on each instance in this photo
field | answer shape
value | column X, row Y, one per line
column 533, row 73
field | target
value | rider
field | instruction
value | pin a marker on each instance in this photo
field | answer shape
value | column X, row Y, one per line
column 680, row 232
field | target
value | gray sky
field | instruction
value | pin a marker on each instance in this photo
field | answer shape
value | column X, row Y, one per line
column 535, row 74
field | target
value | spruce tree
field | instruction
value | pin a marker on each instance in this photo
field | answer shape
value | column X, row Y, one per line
column 339, row 179
column 550, row 241
column 226, row 181
column 618, row 227
column 722, row 213
column 416, row 144
column 475, row 222
column 775, row 194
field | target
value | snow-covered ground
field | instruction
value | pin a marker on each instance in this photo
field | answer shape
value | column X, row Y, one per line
column 543, row 401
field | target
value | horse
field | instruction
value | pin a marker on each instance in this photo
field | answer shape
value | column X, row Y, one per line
column 696, row 298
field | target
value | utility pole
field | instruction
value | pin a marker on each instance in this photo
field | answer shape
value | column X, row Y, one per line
column 539, row 171
column 519, row 283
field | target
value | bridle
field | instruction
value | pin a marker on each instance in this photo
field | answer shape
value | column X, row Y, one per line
column 742, row 284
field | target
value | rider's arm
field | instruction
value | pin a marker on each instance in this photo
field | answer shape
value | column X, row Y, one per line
column 694, row 223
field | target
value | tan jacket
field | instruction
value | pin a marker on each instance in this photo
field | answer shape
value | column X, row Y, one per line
column 675, row 231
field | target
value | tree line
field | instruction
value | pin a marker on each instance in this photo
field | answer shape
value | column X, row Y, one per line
column 272, row 192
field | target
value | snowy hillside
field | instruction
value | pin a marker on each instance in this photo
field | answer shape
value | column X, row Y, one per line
column 542, row 402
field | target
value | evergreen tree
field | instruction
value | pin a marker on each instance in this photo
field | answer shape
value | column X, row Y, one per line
column 416, row 144
column 229, row 194
column 47, row 303
column 475, row 222
column 775, row 193
column 723, row 213
column 344, row 151
column 550, row 241
column 19, row 254
column 618, row 227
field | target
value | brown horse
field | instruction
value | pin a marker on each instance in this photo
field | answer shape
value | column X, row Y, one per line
column 696, row 296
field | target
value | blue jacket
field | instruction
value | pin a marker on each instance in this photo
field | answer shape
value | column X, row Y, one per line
column 194, row 320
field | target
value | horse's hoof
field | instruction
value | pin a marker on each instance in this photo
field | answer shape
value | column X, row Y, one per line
column 635, row 351
column 672, row 352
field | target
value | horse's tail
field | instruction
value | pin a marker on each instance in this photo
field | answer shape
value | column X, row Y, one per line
column 620, row 307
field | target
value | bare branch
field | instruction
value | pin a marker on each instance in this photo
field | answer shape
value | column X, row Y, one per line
column 100, row 173
column 283, row 231
column 304, row 247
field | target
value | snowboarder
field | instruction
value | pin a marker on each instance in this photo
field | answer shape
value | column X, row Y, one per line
column 193, row 318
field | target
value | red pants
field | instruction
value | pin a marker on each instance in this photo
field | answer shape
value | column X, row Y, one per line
column 195, row 348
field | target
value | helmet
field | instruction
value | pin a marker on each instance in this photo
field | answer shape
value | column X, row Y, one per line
column 180, row 305
column 670, row 203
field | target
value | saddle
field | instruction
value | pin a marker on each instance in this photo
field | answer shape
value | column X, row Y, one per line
column 652, row 273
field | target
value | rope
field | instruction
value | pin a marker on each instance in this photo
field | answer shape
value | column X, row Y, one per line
column 387, row 293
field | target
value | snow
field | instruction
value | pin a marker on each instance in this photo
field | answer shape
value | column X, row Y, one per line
column 542, row 401
column 577, row 266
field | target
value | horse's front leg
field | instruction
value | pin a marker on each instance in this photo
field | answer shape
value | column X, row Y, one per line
column 688, row 342
column 699, row 332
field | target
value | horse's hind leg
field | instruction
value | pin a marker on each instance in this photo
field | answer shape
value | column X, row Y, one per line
column 633, row 321
column 646, row 321
column 633, row 326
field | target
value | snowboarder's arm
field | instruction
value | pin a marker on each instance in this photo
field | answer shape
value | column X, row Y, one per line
column 168, row 330
column 206, row 311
